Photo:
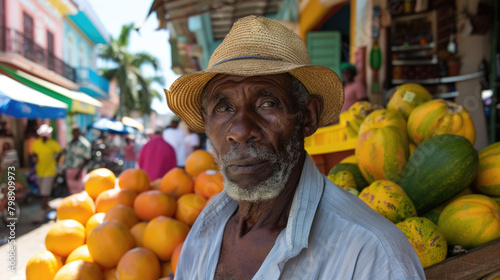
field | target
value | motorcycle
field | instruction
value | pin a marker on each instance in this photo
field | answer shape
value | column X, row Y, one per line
column 103, row 157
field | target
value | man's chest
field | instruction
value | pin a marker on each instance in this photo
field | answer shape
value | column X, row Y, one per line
column 243, row 256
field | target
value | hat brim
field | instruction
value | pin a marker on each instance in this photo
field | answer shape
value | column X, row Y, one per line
column 184, row 96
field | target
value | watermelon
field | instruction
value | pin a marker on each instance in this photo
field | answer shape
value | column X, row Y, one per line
column 440, row 168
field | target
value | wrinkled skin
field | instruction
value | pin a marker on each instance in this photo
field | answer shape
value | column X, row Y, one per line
column 254, row 128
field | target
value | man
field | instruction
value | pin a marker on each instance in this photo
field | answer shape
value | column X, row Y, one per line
column 354, row 91
column 174, row 136
column 156, row 157
column 278, row 216
column 45, row 151
column 77, row 155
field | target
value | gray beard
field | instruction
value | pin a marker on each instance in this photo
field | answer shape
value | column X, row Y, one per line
column 275, row 183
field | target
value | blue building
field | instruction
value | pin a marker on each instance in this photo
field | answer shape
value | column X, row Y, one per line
column 83, row 32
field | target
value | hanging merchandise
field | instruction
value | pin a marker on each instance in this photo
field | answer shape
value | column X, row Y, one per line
column 375, row 53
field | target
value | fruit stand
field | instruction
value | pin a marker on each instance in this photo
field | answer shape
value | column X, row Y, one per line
column 417, row 156
column 479, row 263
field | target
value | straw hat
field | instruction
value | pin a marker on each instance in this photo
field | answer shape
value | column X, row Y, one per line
column 257, row 46
column 44, row 130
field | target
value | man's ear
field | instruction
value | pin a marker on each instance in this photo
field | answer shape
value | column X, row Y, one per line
column 312, row 113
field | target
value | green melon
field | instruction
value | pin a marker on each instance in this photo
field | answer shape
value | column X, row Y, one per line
column 440, row 168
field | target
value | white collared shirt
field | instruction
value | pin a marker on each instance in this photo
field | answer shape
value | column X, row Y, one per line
column 330, row 234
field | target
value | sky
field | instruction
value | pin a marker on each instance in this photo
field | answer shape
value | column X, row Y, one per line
column 113, row 14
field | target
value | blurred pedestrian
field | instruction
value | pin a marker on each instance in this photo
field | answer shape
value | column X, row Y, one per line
column 45, row 150
column 191, row 142
column 156, row 157
column 354, row 91
column 129, row 154
column 175, row 137
column 77, row 155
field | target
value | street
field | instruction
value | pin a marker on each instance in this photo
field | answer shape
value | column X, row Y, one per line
column 29, row 239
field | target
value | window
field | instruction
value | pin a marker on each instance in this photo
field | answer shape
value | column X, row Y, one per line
column 81, row 56
column 28, row 37
column 50, row 50
column 71, row 44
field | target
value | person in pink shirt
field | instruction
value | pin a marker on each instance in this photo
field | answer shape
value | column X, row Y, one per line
column 156, row 157
column 354, row 91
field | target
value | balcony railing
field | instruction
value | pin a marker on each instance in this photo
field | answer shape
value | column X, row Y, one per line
column 89, row 79
column 13, row 41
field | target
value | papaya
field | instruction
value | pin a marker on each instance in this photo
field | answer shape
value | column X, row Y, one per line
column 354, row 117
column 440, row 168
column 354, row 170
column 488, row 176
column 389, row 200
column 437, row 117
column 426, row 238
column 349, row 159
column 470, row 221
column 383, row 118
column 382, row 153
column 407, row 97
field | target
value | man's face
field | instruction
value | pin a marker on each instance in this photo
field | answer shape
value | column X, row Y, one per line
column 255, row 132
column 75, row 132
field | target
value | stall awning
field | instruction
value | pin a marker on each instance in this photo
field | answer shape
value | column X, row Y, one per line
column 78, row 102
column 21, row 101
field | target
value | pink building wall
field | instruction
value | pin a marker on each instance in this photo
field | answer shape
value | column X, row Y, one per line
column 45, row 18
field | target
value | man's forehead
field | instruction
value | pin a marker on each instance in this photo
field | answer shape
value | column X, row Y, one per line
column 282, row 80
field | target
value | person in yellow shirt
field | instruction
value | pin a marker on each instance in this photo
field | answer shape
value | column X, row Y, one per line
column 45, row 151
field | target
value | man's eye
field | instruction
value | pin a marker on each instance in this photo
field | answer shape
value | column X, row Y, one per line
column 268, row 104
column 222, row 108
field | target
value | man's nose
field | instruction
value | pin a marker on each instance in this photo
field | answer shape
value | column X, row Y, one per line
column 244, row 127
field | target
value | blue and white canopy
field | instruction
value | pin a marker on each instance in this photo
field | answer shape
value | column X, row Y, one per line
column 21, row 101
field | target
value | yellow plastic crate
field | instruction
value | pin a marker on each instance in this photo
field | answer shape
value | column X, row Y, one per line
column 329, row 139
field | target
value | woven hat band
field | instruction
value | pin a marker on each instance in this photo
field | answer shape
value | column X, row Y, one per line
column 245, row 57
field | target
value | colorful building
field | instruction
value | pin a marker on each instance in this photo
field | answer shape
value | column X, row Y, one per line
column 50, row 46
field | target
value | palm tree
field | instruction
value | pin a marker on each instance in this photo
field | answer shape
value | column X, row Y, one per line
column 136, row 93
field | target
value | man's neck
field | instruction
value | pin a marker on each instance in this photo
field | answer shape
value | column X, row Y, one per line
column 271, row 214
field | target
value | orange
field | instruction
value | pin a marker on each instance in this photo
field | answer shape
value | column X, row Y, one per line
column 155, row 185
column 138, row 232
column 208, row 183
column 78, row 206
column 80, row 253
column 151, row 204
column 123, row 213
column 95, row 220
column 64, row 236
column 177, row 182
column 198, row 161
column 43, row 266
column 189, row 206
column 109, row 241
column 134, row 179
column 110, row 274
column 163, row 234
column 110, row 198
column 138, row 263
column 175, row 257
column 99, row 180
column 79, row 270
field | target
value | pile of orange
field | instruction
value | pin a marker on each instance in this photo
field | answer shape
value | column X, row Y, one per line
column 128, row 226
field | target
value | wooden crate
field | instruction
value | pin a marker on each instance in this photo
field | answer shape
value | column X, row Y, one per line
column 479, row 263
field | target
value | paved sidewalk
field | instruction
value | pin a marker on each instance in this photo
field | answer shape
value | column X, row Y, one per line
column 29, row 240
column 26, row 246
